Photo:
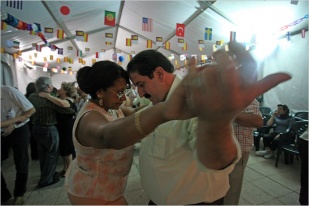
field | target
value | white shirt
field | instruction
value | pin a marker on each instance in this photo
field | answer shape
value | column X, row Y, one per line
column 13, row 103
column 170, row 170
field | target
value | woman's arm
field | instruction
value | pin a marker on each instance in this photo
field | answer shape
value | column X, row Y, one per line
column 55, row 100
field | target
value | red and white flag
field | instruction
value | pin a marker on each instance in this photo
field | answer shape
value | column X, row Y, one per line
column 180, row 30
column 303, row 33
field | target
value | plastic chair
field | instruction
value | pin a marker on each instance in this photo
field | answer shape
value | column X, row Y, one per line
column 260, row 132
column 288, row 142
column 265, row 110
column 301, row 116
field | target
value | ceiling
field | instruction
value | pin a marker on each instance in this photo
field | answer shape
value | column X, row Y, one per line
column 249, row 19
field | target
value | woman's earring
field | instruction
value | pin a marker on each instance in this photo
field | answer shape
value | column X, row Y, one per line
column 100, row 100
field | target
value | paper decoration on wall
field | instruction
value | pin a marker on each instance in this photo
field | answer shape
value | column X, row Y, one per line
column 149, row 44
column 134, row 39
column 233, row 36
column 180, row 30
column 110, row 18
column 159, row 41
column 303, row 33
column 94, row 61
column 70, row 48
column 147, row 24
column 16, row 23
column 2, row 50
column 167, row 45
column 108, row 43
column 16, row 4
column 64, row 10
column 128, row 42
column 51, row 57
column 294, row 23
column 49, row 32
column 60, row 34
column 181, row 42
column 185, row 47
column 208, row 33
column 58, row 60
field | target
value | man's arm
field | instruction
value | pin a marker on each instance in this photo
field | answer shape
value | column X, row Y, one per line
column 249, row 120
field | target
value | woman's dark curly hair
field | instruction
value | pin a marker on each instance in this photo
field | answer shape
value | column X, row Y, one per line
column 101, row 75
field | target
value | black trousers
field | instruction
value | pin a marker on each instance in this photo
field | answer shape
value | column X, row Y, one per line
column 18, row 140
column 303, row 152
column 217, row 202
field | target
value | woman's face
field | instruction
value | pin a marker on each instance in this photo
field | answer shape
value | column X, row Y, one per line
column 111, row 99
column 281, row 111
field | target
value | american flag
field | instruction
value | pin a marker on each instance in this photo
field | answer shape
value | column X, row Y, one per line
column 147, row 24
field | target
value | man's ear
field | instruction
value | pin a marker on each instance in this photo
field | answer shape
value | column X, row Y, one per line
column 159, row 72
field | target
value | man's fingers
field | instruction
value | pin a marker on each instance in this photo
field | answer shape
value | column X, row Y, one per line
column 269, row 82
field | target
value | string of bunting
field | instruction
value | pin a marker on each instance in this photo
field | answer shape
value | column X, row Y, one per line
column 20, row 25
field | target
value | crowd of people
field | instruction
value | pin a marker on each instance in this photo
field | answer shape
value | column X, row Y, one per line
column 94, row 126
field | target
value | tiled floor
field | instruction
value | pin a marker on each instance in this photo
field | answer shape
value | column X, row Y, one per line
column 264, row 184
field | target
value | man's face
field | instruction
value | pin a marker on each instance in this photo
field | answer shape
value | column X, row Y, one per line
column 152, row 89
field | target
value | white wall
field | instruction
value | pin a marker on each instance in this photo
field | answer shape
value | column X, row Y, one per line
column 291, row 57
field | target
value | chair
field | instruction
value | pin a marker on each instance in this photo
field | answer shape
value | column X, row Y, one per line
column 265, row 110
column 260, row 132
column 288, row 142
column 300, row 116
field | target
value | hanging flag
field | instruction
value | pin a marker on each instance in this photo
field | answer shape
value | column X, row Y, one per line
column 108, row 36
column 16, row 44
column 185, row 47
column 79, row 53
column 134, row 39
column 79, row 35
column 181, row 42
column 201, row 44
column 60, row 34
column 97, row 55
column 85, row 37
column 147, row 24
column 288, row 36
column 45, row 59
column 58, row 60
column 110, row 18
column 180, row 30
column 167, row 45
column 32, row 32
column 303, row 33
column 16, row 4
column 2, row 50
column 51, row 57
column 208, row 33
column 159, row 41
column 3, row 25
column 87, row 51
column 149, row 44
column 80, row 60
column 94, row 61
column 128, row 42
column 48, row 32
column 65, row 59
column 233, row 36
column 38, row 48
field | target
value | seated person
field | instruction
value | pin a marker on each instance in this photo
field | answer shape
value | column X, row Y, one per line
column 283, row 121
